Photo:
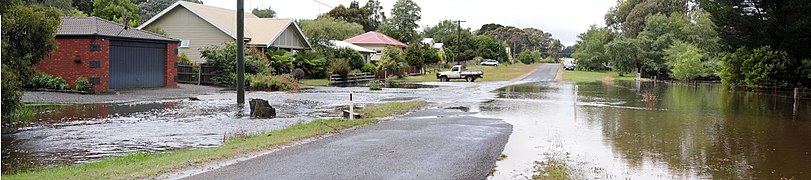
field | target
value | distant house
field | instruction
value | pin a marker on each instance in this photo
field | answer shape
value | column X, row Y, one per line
column 198, row 26
column 438, row 46
column 111, row 55
column 375, row 41
column 367, row 53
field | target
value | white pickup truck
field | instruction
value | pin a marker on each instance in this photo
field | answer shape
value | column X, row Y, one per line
column 459, row 72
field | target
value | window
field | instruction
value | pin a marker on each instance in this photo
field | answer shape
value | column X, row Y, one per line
column 378, row 51
column 184, row 43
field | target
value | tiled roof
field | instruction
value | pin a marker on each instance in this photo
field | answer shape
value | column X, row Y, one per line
column 372, row 37
column 95, row 26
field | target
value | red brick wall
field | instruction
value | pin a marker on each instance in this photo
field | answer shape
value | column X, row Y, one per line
column 170, row 68
column 61, row 62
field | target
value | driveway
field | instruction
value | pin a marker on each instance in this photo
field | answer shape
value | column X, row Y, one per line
column 122, row 96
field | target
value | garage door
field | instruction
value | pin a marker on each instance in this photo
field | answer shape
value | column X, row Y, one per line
column 136, row 64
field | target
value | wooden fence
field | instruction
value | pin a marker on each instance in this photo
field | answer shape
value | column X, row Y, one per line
column 411, row 71
column 352, row 79
column 187, row 74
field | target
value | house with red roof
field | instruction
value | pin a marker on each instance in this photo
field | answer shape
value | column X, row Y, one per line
column 375, row 41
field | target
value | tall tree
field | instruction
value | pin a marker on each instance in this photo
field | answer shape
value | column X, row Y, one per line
column 403, row 23
column 264, row 13
column 629, row 16
column 325, row 28
column 28, row 35
column 488, row 27
column 446, row 32
column 85, row 6
column 112, row 9
column 375, row 15
column 590, row 48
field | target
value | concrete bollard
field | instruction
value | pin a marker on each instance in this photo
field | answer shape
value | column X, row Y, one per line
column 351, row 107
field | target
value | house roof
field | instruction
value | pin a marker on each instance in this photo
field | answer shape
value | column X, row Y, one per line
column 261, row 31
column 344, row 44
column 95, row 26
column 372, row 37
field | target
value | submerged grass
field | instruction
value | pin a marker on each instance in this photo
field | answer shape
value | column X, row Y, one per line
column 591, row 76
column 503, row 72
column 314, row 82
column 146, row 165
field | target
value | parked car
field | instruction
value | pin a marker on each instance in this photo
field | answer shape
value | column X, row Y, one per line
column 489, row 62
column 569, row 66
column 459, row 72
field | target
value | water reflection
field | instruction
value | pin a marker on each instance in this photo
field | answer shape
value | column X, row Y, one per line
column 683, row 131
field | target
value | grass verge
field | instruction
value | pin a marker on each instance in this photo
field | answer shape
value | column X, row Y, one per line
column 314, row 82
column 146, row 165
column 591, row 76
column 502, row 72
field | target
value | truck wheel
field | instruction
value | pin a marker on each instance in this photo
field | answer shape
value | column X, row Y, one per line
column 443, row 79
column 470, row 79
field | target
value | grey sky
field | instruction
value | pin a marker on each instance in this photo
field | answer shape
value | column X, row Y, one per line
column 565, row 19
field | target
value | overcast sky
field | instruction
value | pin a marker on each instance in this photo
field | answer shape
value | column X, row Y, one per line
column 565, row 19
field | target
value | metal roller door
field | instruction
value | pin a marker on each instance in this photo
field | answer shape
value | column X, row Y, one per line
column 136, row 64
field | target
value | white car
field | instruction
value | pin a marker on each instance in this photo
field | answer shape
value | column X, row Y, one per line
column 489, row 62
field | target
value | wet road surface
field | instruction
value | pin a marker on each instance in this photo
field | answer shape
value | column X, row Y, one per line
column 437, row 143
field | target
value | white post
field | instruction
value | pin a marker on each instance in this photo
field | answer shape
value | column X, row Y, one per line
column 351, row 107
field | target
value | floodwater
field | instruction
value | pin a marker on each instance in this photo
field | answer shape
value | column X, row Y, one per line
column 620, row 130
column 80, row 133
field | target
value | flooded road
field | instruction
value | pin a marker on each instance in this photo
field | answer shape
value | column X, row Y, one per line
column 72, row 134
column 619, row 130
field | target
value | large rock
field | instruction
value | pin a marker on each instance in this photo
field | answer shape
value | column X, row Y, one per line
column 261, row 109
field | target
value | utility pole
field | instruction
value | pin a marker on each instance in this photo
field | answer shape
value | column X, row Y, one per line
column 458, row 39
column 240, row 52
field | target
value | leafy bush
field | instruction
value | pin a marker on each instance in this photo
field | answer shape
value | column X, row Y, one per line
column 224, row 58
column 274, row 83
column 762, row 67
column 375, row 86
column 354, row 58
column 313, row 64
column 46, row 81
column 11, row 93
column 281, row 60
column 82, row 84
column 369, row 68
column 684, row 60
column 529, row 57
column 182, row 58
column 340, row 67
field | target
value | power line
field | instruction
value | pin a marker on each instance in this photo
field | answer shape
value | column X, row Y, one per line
column 319, row 2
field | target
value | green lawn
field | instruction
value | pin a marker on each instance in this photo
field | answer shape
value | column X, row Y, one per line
column 314, row 82
column 150, row 165
column 503, row 72
column 591, row 76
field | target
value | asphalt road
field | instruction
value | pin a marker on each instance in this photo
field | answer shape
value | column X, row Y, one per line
column 428, row 144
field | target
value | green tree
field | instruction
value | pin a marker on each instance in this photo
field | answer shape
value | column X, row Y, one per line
column 403, row 23
column 529, row 57
column 419, row 54
column 264, row 13
column 325, row 28
column 354, row 58
column 375, row 15
column 446, row 32
column 28, row 35
column 625, row 54
column 685, row 61
column 629, row 16
column 487, row 28
column 112, row 10
column 392, row 58
column 489, row 47
column 590, row 48
column 311, row 63
column 370, row 16
column 148, row 9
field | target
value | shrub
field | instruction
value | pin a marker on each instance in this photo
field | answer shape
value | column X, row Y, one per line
column 354, row 58
column 182, row 58
column 313, row 64
column 369, row 68
column 46, row 81
column 340, row 67
column 762, row 67
column 11, row 93
column 274, row 83
column 375, row 86
column 224, row 58
column 82, row 84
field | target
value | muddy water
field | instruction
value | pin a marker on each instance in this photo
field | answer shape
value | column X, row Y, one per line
column 622, row 130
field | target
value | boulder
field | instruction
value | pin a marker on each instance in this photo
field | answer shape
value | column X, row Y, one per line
column 261, row 109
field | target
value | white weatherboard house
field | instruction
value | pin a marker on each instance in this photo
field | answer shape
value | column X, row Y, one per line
column 198, row 26
column 367, row 53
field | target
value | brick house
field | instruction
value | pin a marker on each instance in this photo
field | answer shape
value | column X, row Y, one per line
column 111, row 56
